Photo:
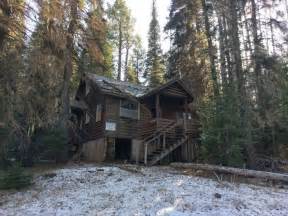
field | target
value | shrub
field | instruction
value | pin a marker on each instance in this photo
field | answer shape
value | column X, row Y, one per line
column 3, row 145
column 14, row 178
column 52, row 144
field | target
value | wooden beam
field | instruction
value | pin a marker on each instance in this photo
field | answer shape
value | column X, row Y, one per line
column 186, row 113
column 145, row 153
column 234, row 171
column 158, row 108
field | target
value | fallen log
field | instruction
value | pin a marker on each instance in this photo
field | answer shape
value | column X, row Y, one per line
column 234, row 171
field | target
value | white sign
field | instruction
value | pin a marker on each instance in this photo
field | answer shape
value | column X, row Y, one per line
column 110, row 126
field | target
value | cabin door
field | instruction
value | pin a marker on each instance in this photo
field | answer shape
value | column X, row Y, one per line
column 123, row 149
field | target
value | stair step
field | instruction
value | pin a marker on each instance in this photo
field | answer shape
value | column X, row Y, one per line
column 158, row 151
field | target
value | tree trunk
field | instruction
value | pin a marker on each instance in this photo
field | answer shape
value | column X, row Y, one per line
column 212, row 57
column 227, row 50
column 234, row 171
column 126, row 62
column 248, row 32
column 224, row 75
column 68, row 68
column 120, row 51
column 236, row 51
column 257, row 58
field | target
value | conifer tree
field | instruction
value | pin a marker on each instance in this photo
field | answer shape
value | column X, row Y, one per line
column 12, row 36
column 154, row 63
column 96, row 56
column 73, row 15
column 12, row 72
column 132, row 74
column 120, row 29
column 137, row 59
column 187, row 57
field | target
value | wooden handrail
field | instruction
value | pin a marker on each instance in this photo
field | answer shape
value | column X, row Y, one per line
column 156, row 136
column 160, row 129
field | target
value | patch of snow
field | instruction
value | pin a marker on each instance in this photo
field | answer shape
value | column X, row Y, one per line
column 105, row 191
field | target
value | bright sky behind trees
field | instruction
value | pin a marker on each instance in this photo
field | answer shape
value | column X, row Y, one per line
column 141, row 11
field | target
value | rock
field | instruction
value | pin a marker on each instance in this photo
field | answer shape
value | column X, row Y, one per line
column 49, row 175
column 217, row 195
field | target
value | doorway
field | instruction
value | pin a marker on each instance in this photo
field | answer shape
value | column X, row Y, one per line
column 123, row 149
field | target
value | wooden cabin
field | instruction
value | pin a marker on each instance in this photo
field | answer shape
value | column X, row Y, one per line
column 120, row 121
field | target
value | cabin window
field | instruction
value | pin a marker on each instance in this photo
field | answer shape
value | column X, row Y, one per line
column 129, row 109
column 110, row 126
column 87, row 118
column 98, row 113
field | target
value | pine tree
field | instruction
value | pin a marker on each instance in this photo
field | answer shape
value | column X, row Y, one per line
column 187, row 57
column 120, row 29
column 137, row 60
column 154, row 64
column 12, row 38
column 45, row 66
column 15, row 178
column 73, row 23
column 96, row 56
column 132, row 74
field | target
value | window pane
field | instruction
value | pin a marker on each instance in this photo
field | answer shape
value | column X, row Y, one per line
column 129, row 109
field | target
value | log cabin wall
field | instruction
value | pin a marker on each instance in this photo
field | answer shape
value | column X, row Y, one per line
column 171, row 106
column 93, row 97
column 175, row 91
column 125, row 127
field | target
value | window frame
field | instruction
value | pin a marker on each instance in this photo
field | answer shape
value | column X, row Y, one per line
column 129, row 113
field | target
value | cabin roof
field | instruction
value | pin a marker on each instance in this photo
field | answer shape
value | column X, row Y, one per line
column 165, row 86
column 126, row 89
column 117, row 88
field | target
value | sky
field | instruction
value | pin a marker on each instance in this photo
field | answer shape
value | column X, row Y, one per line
column 141, row 11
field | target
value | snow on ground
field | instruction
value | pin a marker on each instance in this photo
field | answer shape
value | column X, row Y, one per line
column 105, row 191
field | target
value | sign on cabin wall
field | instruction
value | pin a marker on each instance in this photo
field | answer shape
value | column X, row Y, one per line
column 110, row 126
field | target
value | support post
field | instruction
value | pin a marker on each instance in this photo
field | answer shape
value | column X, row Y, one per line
column 164, row 141
column 146, row 153
column 158, row 108
column 186, row 114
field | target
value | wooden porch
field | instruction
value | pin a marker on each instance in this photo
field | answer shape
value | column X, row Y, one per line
column 172, row 125
column 162, row 136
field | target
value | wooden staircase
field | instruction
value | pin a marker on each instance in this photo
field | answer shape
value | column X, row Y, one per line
column 163, row 141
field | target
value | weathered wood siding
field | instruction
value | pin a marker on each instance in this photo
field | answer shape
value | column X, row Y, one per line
column 93, row 129
column 170, row 107
column 125, row 127
column 175, row 91
column 95, row 150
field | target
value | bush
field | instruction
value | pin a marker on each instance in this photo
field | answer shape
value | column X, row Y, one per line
column 3, row 151
column 14, row 178
column 223, row 138
column 52, row 144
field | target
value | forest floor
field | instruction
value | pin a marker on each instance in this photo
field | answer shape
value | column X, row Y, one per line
column 130, row 190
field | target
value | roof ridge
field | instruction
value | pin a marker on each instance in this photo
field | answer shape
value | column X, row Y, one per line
column 107, row 79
